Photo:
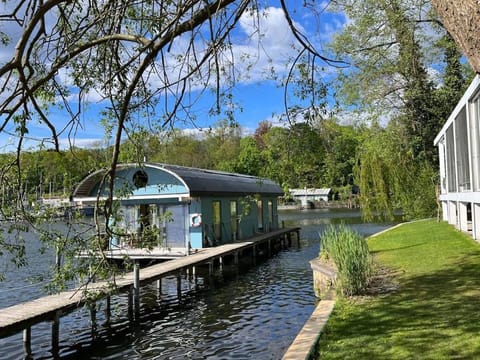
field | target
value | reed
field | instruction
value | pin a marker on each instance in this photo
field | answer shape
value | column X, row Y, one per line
column 349, row 251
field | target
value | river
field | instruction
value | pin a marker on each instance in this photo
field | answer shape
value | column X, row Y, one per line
column 249, row 312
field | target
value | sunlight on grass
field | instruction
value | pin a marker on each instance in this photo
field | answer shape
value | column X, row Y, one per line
column 433, row 312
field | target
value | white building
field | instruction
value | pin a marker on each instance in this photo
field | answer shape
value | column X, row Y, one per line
column 310, row 195
column 459, row 149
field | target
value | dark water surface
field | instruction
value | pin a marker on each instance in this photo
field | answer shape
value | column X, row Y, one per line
column 246, row 312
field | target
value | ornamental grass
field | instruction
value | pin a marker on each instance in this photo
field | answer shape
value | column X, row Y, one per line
column 349, row 251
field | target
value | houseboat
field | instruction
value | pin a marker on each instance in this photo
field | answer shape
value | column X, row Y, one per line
column 175, row 210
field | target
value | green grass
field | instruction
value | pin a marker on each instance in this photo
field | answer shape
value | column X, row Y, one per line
column 433, row 311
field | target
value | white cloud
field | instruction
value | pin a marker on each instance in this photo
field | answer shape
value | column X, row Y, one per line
column 262, row 42
column 66, row 143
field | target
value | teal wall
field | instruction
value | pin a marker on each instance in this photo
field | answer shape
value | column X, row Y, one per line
column 248, row 224
column 160, row 182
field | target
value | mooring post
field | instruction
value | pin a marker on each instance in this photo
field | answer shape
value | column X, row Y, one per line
column 159, row 288
column 136, row 288
column 27, row 342
column 55, row 334
column 194, row 274
column 130, row 303
column 220, row 261
column 179, row 286
column 210, row 268
column 235, row 258
column 108, row 309
column 93, row 320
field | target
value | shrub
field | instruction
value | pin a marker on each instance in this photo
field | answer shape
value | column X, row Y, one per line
column 349, row 251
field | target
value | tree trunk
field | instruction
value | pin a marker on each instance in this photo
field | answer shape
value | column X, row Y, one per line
column 462, row 20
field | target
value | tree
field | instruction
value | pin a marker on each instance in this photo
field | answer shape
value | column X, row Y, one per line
column 250, row 160
column 387, row 47
column 392, row 46
column 340, row 144
column 390, row 178
column 462, row 19
column 145, row 62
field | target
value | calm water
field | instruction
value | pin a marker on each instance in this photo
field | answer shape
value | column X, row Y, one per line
column 250, row 312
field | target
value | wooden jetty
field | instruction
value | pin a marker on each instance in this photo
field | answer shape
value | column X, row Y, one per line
column 21, row 317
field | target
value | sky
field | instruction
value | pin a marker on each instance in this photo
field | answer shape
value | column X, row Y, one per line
column 258, row 99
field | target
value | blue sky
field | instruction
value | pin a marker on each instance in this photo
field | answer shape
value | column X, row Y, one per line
column 259, row 99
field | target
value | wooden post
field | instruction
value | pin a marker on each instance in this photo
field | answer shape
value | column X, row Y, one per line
column 130, row 303
column 220, row 260
column 136, row 288
column 27, row 342
column 194, row 274
column 269, row 244
column 179, row 286
column 93, row 320
column 55, row 334
column 159, row 288
column 210, row 268
column 108, row 310
column 235, row 258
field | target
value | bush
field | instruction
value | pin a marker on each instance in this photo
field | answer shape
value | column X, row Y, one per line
column 349, row 251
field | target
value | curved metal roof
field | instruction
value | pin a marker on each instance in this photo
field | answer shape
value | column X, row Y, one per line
column 198, row 181
column 202, row 181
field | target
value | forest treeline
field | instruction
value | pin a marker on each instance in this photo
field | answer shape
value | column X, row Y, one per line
column 320, row 154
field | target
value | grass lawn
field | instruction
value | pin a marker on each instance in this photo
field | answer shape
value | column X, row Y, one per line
column 429, row 307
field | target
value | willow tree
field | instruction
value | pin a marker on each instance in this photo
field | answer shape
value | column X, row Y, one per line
column 144, row 63
column 392, row 47
column 391, row 179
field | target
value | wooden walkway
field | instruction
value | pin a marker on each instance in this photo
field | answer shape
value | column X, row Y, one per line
column 20, row 317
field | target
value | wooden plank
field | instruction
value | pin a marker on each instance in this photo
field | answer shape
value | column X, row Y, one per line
column 18, row 317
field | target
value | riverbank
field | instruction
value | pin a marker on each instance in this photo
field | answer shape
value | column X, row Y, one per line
column 424, row 303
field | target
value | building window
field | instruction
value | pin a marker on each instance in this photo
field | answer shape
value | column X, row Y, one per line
column 461, row 147
column 450, row 155
column 474, row 121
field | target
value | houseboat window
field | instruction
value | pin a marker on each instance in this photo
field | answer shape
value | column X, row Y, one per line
column 217, row 220
column 234, row 219
column 148, row 227
column 140, row 179
column 144, row 217
column 260, row 214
